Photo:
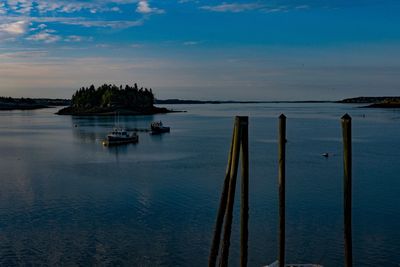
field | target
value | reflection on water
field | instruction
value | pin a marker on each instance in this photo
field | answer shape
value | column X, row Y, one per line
column 86, row 135
column 67, row 200
column 118, row 150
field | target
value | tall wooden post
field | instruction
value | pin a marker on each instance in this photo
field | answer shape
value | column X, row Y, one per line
column 282, row 174
column 231, row 195
column 225, row 212
column 244, row 211
column 222, row 208
column 347, row 163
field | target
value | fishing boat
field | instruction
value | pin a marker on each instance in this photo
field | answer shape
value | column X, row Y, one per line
column 120, row 136
column 157, row 127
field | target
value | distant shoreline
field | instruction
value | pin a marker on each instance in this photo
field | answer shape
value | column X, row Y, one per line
column 21, row 107
column 195, row 102
column 374, row 102
column 368, row 99
column 9, row 103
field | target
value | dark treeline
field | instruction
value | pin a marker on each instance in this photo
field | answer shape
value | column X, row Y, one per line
column 371, row 99
column 112, row 96
column 17, row 100
column 10, row 103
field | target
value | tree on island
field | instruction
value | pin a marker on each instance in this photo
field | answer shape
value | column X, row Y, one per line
column 109, row 98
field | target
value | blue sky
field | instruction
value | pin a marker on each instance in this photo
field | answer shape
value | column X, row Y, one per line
column 243, row 50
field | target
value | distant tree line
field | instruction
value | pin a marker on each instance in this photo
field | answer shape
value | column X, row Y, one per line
column 17, row 100
column 112, row 96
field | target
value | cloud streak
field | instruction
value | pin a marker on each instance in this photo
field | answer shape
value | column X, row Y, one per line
column 247, row 7
column 85, row 22
column 44, row 36
column 232, row 7
column 21, row 19
column 17, row 26
column 61, row 6
column 143, row 7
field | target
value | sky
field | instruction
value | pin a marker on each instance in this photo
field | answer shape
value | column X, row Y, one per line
column 208, row 50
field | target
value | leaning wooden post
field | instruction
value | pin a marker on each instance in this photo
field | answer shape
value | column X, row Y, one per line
column 231, row 195
column 282, row 174
column 222, row 208
column 347, row 162
column 244, row 211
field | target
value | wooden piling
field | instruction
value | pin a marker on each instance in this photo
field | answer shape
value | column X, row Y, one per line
column 244, row 211
column 282, row 174
column 347, row 164
column 212, row 260
column 231, row 194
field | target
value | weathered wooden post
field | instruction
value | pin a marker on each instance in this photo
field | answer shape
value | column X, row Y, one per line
column 239, row 146
column 244, row 211
column 347, row 164
column 231, row 194
column 222, row 208
column 282, row 174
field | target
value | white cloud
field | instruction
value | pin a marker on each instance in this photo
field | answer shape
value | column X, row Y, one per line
column 143, row 7
column 115, row 9
column 14, row 28
column 255, row 6
column 77, row 38
column 20, row 6
column 9, row 31
column 61, row 6
column 45, row 36
column 17, row 15
column 74, row 38
column 232, row 7
column 84, row 22
column 42, row 26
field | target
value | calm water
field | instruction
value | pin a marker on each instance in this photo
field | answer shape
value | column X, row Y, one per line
column 67, row 200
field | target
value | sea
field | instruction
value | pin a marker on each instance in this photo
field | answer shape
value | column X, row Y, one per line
column 67, row 200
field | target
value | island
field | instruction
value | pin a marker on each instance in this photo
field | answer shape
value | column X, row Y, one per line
column 9, row 103
column 109, row 99
column 375, row 101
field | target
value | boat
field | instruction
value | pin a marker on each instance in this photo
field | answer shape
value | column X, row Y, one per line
column 157, row 127
column 120, row 136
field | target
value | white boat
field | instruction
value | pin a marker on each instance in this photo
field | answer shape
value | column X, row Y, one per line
column 157, row 127
column 120, row 136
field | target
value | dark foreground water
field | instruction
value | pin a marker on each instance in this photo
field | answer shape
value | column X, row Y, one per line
column 67, row 200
